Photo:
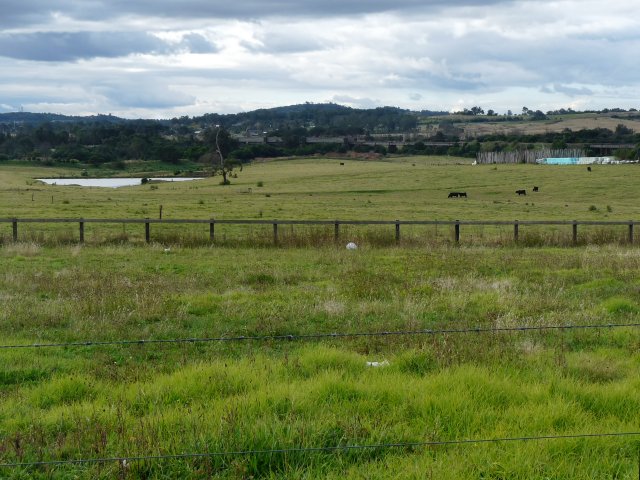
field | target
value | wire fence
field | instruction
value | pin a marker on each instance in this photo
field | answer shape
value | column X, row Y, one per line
column 125, row 460
column 429, row 443
column 522, row 231
column 319, row 336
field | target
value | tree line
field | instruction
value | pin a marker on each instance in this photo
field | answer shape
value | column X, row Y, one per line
column 107, row 140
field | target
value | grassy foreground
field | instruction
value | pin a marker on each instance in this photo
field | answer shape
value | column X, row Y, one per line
column 106, row 401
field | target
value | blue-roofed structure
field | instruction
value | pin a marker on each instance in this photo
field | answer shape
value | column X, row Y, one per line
column 577, row 161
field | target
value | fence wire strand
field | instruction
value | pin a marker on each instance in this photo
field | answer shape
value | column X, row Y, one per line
column 317, row 336
column 127, row 459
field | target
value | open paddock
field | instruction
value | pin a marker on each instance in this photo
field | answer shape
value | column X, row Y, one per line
column 411, row 356
column 320, row 189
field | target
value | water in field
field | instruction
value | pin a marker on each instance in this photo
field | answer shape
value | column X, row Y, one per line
column 109, row 182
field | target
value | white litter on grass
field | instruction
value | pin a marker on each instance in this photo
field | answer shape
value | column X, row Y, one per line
column 384, row 363
column 351, row 246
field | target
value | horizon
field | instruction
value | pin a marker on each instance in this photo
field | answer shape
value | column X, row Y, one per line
column 97, row 114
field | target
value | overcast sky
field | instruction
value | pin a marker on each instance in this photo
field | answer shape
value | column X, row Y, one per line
column 160, row 58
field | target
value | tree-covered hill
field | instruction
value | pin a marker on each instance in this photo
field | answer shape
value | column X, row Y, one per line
column 304, row 129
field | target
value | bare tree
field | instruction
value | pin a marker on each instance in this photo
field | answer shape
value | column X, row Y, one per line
column 221, row 145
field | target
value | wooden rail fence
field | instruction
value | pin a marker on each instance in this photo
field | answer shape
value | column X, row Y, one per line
column 336, row 224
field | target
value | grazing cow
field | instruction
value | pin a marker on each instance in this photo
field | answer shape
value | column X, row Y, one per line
column 341, row 163
column 521, row 192
column 535, row 189
column 588, row 169
column 457, row 194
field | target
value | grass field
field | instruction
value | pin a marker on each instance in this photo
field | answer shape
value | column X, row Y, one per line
column 106, row 401
column 555, row 123
column 414, row 188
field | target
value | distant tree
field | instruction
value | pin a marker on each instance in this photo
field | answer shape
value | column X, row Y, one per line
column 221, row 144
column 537, row 115
column 623, row 130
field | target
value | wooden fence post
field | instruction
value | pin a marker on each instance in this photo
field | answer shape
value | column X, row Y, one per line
column 630, row 231
column 15, row 229
column 457, row 231
column 515, row 231
column 275, row 233
column 81, row 231
column 397, row 231
column 336, row 231
column 575, row 232
column 147, row 233
column 211, row 229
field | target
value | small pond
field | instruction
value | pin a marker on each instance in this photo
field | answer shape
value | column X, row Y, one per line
column 110, row 182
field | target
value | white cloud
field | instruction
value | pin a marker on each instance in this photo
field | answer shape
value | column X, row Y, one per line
column 160, row 59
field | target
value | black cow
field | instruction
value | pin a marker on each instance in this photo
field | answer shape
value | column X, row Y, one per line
column 457, row 194
column 521, row 192
column 535, row 189
column 588, row 169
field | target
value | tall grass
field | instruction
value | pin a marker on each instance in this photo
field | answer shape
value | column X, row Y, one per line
column 90, row 402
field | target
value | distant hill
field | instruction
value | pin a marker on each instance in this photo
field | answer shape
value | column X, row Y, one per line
column 324, row 118
column 330, row 119
column 29, row 118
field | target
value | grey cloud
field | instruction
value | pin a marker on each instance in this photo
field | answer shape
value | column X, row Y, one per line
column 26, row 12
column 196, row 43
column 534, row 61
column 17, row 13
column 144, row 94
column 72, row 46
column 61, row 47
column 567, row 90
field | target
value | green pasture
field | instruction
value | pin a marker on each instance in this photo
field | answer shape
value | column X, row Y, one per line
column 411, row 188
column 137, row 400
column 130, row 400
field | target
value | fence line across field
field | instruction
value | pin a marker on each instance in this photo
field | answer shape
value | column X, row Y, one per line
column 321, row 335
column 212, row 222
column 124, row 460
